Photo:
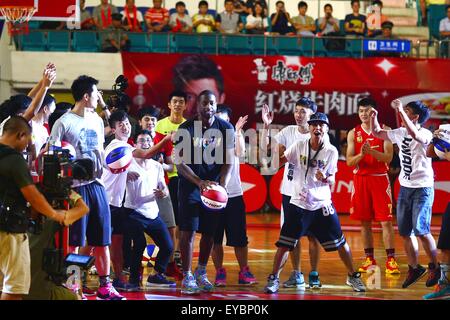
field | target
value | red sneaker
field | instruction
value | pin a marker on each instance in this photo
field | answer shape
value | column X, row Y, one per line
column 173, row 271
column 392, row 266
column 367, row 264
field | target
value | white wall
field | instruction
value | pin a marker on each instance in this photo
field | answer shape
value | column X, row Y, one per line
column 340, row 8
column 27, row 67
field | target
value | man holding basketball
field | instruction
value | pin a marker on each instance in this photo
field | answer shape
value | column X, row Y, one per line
column 204, row 153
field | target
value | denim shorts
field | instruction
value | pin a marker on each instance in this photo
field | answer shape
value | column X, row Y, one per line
column 414, row 210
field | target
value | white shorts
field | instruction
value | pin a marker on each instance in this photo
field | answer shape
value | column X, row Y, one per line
column 15, row 264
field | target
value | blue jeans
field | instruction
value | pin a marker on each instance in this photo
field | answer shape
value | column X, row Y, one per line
column 157, row 230
column 414, row 210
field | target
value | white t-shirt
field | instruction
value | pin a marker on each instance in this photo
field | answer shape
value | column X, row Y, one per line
column 257, row 21
column 309, row 193
column 287, row 137
column 416, row 170
column 39, row 135
column 139, row 193
column 115, row 184
column 234, row 186
column 139, row 16
column 444, row 25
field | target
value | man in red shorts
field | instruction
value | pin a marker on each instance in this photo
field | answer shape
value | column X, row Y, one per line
column 371, row 195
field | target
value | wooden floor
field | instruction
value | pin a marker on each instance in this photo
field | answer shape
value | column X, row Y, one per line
column 263, row 232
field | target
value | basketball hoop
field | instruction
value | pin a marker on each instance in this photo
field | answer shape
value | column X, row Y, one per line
column 17, row 18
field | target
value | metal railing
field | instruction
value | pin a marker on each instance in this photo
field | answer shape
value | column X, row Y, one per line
column 208, row 43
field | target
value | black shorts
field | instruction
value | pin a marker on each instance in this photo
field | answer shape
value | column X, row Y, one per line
column 233, row 223
column 322, row 223
column 173, row 191
column 444, row 235
column 194, row 217
column 119, row 218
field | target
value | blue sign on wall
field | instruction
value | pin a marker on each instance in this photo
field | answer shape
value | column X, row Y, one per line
column 387, row 45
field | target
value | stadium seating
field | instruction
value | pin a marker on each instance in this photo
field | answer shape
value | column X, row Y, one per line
column 58, row 40
column 85, row 41
column 189, row 43
column 238, row 44
column 139, row 42
column 160, row 42
column 34, row 41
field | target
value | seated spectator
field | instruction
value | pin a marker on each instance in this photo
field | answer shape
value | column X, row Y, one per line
column 304, row 24
column 328, row 25
column 86, row 20
column 281, row 20
column 157, row 18
column 180, row 21
column 386, row 31
column 116, row 39
column 355, row 23
column 444, row 32
column 132, row 17
column 375, row 19
column 103, row 15
column 203, row 21
column 257, row 22
column 240, row 8
column 250, row 5
column 229, row 21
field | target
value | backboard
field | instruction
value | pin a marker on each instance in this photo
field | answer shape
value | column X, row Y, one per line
column 48, row 10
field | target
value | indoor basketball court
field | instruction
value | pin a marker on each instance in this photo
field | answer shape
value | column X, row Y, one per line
column 252, row 79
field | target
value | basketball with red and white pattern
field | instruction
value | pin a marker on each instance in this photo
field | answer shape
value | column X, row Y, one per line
column 214, row 198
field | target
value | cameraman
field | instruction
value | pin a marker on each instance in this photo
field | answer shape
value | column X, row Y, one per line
column 44, row 287
column 16, row 188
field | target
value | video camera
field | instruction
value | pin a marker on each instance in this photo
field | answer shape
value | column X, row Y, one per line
column 59, row 171
column 120, row 100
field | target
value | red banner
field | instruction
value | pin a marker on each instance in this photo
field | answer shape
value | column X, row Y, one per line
column 248, row 82
column 344, row 183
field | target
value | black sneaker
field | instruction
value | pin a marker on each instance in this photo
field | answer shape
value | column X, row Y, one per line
column 434, row 274
column 413, row 275
column 177, row 259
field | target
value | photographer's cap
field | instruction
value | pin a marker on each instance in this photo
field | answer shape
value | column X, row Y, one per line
column 387, row 25
column 319, row 117
column 116, row 16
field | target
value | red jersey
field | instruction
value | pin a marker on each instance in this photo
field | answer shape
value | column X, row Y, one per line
column 369, row 165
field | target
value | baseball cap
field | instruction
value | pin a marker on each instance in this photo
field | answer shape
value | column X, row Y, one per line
column 319, row 117
column 308, row 103
column 387, row 24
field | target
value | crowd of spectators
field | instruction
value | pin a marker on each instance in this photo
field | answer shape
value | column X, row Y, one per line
column 238, row 16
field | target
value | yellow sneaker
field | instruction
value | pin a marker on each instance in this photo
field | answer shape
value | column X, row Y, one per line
column 367, row 264
column 392, row 266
